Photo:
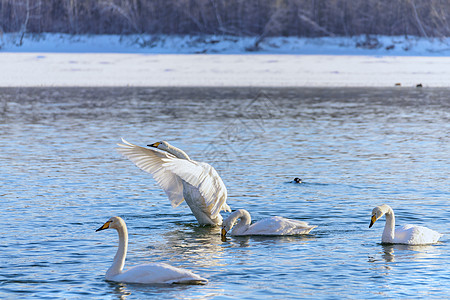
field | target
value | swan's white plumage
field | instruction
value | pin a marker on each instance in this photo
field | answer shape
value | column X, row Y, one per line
column 172, row 173
column 158, row 273
column 147, row 273
column 406, row 234
column 268, row 226
column 205, row 178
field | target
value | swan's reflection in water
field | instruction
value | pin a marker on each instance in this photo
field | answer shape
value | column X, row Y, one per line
column 197, row 245
column 119, row 290
column 399, row 252
column 391, row 260
column 124, row 290
column 266, row 240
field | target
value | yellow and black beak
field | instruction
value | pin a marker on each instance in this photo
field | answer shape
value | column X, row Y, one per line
column 372, row 220
column 155, row 145
column 105, row 226
column 223, row 235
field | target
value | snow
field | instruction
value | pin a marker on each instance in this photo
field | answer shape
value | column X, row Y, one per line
column 385, row 45
column 64, row 60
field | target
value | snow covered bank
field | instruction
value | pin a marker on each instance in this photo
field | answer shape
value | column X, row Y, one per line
column 359, row 45
column 53, row 60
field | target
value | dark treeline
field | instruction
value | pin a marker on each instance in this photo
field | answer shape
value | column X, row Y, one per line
column 306, row 18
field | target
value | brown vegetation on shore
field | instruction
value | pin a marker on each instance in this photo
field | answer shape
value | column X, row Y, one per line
column 261, row 18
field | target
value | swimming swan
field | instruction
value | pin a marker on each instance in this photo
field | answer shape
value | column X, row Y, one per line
column 269, row 226
column 182, row 179
column 148, row 273
column 406, row 234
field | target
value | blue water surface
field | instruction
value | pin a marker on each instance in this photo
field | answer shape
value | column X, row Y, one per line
column 61, row 179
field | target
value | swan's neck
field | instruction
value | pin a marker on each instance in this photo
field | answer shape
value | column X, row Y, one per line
column 244, row 221
column 388, row 233
column 119, row 259
column 177, row 152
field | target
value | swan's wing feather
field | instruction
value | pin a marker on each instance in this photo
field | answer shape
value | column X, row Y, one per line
column 159, row 273
column 205, row 178
column 279, row 226
column 416, row 235
column 152, row 161
column 214, row 190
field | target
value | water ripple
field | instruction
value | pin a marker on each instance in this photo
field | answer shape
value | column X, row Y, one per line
column 353, row 148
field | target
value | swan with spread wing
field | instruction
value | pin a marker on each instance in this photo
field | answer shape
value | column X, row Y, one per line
column 182, row 178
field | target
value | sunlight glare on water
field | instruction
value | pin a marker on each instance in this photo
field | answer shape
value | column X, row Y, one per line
column 353, row 148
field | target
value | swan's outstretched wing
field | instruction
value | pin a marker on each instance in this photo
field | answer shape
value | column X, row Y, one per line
column 205, row 178
column 169, row 170
column 151, row 161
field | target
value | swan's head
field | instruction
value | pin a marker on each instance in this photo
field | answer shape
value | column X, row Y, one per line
column 114, row 222
column 163, row 145
column 227, row 225
column 297, row 180
column 233, row 218
column 378, row 212
column 224, row 230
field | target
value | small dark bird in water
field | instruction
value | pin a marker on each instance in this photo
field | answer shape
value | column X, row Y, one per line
column 419, row 85
column 297, row 180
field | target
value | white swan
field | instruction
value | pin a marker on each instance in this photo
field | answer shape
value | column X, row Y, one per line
column 406, row 234
column 182, row 179
column 269, row 226
column 148, row 273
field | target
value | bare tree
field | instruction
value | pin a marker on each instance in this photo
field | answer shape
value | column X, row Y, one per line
column 258, row 18
column 124, row 9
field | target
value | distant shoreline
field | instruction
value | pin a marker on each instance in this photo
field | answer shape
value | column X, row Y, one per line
column 209, row 61
column 190, row 70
